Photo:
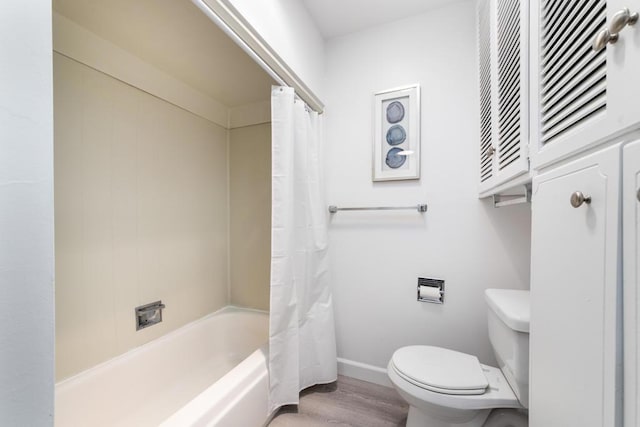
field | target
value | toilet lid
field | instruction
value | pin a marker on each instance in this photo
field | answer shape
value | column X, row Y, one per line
column 440, row 370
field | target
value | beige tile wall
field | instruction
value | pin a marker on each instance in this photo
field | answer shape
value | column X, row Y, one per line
column 141, row 215
column 250, row 215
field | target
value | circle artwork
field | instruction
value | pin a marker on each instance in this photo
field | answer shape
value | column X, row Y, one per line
column 394, row 159
column 395, row 112
column 396, row 135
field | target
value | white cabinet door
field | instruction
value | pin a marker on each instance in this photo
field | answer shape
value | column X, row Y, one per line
column 503, row 54
column 580, row 97
column 631, row 280
column 485, row 49
column 574, row 291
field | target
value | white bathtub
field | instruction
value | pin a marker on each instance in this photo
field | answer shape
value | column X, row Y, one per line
column 212, row 372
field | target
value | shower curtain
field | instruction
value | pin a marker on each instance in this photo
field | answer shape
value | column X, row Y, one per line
column 302, row 346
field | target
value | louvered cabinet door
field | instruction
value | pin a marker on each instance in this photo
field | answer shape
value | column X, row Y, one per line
column 512, row 112
column 581, row 97
column 504, row 115
column 487, row 149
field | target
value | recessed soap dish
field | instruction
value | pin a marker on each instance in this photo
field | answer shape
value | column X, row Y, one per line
column 148, row 314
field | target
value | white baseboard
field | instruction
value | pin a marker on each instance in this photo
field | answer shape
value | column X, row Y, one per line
column 364, row 372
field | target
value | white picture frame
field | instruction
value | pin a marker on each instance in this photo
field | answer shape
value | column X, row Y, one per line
column 396, row 134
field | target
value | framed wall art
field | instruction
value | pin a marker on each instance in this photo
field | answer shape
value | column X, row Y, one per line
column 396, row 134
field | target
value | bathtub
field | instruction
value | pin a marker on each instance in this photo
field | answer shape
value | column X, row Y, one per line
column 212, row 372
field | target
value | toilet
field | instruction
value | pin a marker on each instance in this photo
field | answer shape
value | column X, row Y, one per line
column 446, row 388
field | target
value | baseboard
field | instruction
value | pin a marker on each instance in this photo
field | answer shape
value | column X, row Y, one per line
column 364, row 372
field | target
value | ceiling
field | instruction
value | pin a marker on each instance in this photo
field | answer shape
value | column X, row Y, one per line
column 339, row 17
column 176, row 37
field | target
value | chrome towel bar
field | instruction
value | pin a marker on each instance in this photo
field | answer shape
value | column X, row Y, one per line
column 420, row 208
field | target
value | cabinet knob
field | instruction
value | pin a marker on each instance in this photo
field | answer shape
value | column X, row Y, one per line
column 638, row 194
column 602, row 38
column 577, row 199
column 490, row 151
column 621, row 19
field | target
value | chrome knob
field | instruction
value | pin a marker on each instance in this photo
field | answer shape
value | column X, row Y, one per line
column 602, row 38
column 577, row 199
column 621, row 19
column 490, row 151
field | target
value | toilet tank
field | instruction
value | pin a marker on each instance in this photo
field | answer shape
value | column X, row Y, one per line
column 509, row 335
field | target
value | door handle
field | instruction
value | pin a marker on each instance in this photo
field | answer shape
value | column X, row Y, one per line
column 619, row 20
column 577, row 199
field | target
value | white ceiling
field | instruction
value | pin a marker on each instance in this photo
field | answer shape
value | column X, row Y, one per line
column 339, row 17
column 177, row 38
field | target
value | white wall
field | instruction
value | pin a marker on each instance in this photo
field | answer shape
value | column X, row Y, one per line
column 289, row 29
column 26, row 214
column 377, row 257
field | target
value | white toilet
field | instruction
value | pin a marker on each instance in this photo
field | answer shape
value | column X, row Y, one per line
column 446, row 388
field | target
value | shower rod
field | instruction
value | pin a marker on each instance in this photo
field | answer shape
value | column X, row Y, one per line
column 420, row 208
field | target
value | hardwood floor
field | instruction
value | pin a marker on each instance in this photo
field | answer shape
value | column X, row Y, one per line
column 347, row 402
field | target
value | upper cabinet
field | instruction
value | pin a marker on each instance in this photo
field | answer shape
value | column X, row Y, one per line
column 503, row 49
column 585, row 62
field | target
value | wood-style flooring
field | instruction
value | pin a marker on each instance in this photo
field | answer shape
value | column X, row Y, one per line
column 346, row 403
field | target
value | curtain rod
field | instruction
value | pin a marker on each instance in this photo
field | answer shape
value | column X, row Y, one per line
column 238, row 40
column 306, row 96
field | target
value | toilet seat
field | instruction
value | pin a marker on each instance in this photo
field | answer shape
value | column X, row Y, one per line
column 440, row 370
column 497, row 395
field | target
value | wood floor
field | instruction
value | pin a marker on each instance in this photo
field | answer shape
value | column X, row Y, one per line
column 347, row 402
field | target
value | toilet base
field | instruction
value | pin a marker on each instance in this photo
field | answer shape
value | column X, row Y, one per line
column 450, row 418
column 507, row 418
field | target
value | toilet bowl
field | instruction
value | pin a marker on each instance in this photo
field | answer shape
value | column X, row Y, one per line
column 446, row 388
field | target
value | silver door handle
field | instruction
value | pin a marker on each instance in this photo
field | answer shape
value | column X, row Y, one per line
column 577, row 199
column 602, row 38
column 621, row 19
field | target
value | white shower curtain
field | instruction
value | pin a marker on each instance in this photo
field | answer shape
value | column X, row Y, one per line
column 302, row 345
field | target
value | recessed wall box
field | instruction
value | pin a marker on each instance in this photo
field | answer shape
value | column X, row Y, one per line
column 148, row 314
column 430, row 290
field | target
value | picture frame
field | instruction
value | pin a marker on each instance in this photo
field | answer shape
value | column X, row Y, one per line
column 396, row 134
